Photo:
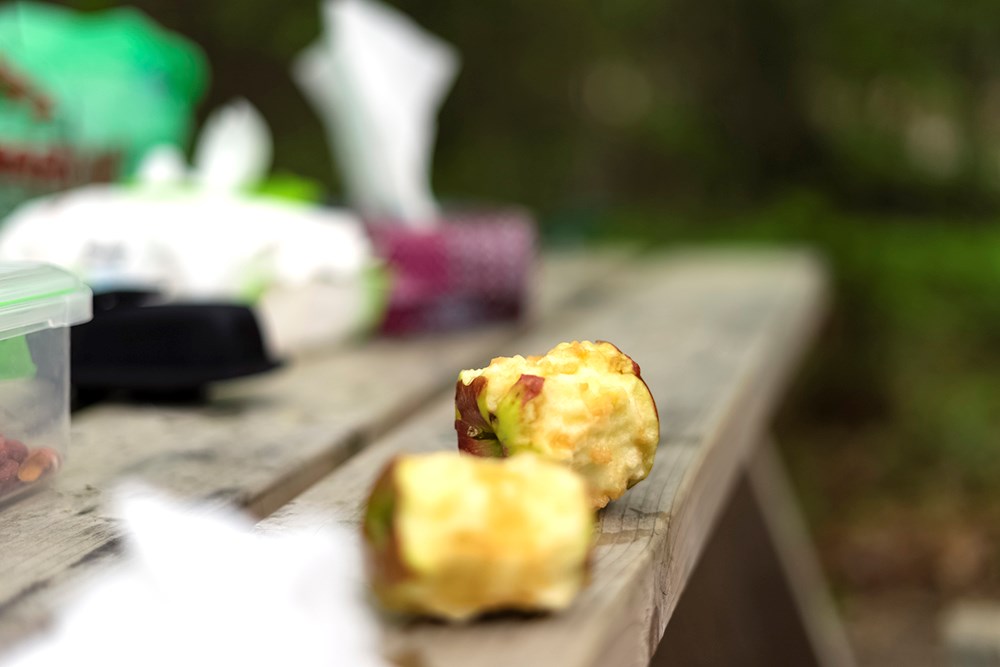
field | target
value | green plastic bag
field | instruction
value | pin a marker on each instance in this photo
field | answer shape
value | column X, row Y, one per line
column 115, row 84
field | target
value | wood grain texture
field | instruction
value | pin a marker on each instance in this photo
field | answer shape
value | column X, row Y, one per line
column 716, row 335
column 256, row 443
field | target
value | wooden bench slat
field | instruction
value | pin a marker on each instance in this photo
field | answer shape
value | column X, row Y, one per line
column 716, row 336
column 257, row 443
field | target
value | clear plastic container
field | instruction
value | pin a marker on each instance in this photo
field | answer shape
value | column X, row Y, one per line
column 38, row 304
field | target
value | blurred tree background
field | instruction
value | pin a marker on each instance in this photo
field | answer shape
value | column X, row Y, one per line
column 868, row 129
column 892, row 104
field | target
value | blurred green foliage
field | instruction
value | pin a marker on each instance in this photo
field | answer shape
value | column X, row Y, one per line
column 893, row 103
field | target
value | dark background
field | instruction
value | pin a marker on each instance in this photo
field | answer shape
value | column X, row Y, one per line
column 869, row 129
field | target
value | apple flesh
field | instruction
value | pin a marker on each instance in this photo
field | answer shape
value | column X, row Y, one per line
column 455, row 536
column 582, row 404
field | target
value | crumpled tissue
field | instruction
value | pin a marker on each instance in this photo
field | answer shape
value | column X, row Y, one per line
column 199, row 587
column 377, row 79
column 195, row 234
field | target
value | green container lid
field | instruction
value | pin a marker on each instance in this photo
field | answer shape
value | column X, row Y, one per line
column 36, row 296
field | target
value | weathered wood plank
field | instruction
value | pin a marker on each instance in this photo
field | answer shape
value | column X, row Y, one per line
column 716, row 336
column 257, row 442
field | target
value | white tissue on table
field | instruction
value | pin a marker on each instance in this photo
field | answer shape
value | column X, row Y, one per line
column 377, row 80
column 198, row 587
column 196, row 235
column 233, row 153
column 162, row 166
column 234, row 149
column 208, row 246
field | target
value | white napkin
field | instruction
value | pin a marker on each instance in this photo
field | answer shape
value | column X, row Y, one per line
column 198, row 587
column 377, row 80
column 233, row 153
column 234, row 148
column 203, row 245
column 195, row 234
column 187, row 244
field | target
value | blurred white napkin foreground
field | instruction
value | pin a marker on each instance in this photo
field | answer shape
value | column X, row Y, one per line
column 377, row 79
column 198, row 587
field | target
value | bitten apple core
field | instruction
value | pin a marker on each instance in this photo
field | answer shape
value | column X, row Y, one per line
column 582, row 404
column 455, row 536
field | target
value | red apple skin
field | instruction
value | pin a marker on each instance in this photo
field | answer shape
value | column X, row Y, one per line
column 478, row 446
column 475, row 433
column 530, row 386
column 467, row 405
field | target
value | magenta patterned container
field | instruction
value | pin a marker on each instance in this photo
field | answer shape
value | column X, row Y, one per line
column 473, row 268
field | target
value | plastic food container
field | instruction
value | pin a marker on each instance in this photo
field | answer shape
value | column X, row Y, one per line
column 38, row 304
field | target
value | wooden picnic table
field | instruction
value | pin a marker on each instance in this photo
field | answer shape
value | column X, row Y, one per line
column 704, row 563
